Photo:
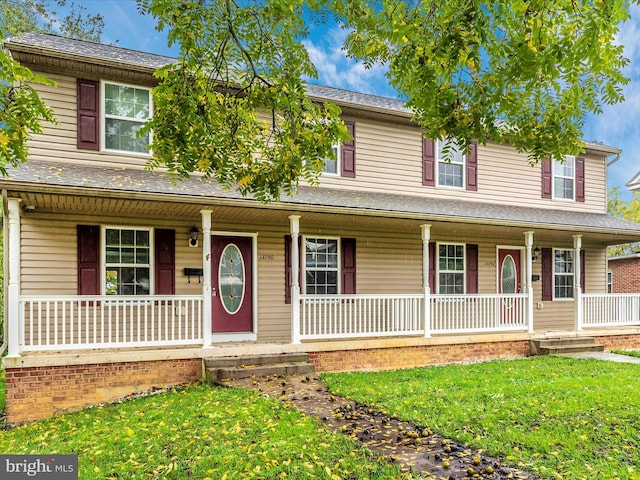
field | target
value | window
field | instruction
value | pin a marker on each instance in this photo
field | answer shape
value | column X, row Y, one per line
column 321, row 266
column 127, row 254
column 451, row 269
column 564, row 178
column 126, row 109
column 450, row 164
column 609, row 282
column 563, row 272
column 332, row 165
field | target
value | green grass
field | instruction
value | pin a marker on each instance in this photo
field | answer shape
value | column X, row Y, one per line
column 199, row 432
column 558, row 417
column 630, row 353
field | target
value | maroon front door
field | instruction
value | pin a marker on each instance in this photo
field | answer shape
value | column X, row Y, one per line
column 231, row 281
column 509, row 281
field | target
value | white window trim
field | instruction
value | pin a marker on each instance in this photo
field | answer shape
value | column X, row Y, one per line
column 437, row 172
column 463, row 271
column 103, row 117
column 103, row 256
column 609, row 281
column 304, row 261
column 554, row 175
column 338, row 149
column 553, row 263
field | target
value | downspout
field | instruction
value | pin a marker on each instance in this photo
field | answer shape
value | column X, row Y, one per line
column 5, row 268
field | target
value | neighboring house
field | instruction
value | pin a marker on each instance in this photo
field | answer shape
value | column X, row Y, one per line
column 624, row 274
column 634, row 183
column 120, row 280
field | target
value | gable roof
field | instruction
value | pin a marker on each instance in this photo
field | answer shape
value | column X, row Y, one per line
column 634, row 183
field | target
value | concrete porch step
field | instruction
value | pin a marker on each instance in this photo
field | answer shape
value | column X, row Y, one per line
column 553, row 346
column 225, row 368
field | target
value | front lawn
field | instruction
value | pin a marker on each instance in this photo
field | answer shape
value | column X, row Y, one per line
column 199, row 432
column 558, row 417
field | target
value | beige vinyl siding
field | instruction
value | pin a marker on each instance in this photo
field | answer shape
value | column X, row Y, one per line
column 389, row 159
column 59, row 142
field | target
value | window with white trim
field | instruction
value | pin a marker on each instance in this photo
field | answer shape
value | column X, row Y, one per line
column 564, row 178
column 332, row 165
column 451, row 269
column 321, row 266
column 609, row 282
column 127, row 260
column 125, row 110
column 450, row 162
column 563, row 273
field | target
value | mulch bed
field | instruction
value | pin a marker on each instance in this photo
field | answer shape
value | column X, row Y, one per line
column 413, row 447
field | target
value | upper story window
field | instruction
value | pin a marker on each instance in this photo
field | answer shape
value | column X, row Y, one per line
column 321, row 266
column 564, row 178
column 563, row 273
column 126, row 109
column 451, row 268
column 127, row 254
column 332, row 165
column 445, row 165
column 450, row 164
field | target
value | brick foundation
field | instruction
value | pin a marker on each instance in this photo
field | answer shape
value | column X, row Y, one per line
column 622, row 342
column 416, row 356
column 33, row 393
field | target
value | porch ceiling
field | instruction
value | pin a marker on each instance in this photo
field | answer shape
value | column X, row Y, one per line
column 58, row 187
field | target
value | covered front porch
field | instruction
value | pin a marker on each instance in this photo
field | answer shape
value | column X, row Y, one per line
column 54, row 323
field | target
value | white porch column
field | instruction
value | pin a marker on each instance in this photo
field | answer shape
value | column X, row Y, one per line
column 426, row 288
column 528, row 271
column 577, row 288
column 206, row 278
column 295, row 283
column 13, row 292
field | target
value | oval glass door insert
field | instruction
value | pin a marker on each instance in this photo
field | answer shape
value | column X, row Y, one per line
column 508, row 277
column 231, row 278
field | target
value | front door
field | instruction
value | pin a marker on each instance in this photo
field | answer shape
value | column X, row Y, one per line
column 509, row 281
column 231, row 282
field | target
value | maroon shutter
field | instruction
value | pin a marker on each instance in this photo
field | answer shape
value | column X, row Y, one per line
column 546, row 166
column 428, row 163
column 348, row 266
column 580, row 179
column 547, row 274
column 165, row 264
column 472, row 167
column 582, row 271
column 88, row 259
column 472, row 268
column 348, row 152
column 432, row 267
column 88, row 114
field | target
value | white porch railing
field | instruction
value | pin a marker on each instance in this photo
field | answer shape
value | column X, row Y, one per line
column 609, row 310
column 478, row 313
column 359, row 316
column 351, row 316
column 81, row 322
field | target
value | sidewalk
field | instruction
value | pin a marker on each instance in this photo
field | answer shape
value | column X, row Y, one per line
column 612, row 357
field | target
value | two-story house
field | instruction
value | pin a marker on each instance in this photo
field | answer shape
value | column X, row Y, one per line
column 120, row 279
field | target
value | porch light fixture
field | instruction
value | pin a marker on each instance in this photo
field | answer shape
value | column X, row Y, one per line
column 535, row 254
column 193, row 236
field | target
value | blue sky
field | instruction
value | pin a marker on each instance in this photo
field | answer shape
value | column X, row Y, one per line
column 617, row 126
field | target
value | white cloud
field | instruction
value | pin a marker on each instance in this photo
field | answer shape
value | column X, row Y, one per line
column 336, row 70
